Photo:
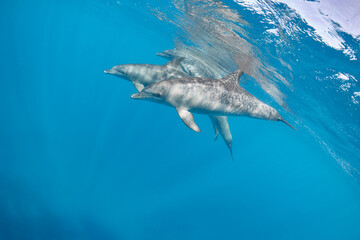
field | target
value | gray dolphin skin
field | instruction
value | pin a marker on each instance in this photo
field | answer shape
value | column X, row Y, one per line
column 197, row 67
column 223, row 97
column 144, row 74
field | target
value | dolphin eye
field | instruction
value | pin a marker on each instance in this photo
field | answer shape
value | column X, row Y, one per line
column 157, row 95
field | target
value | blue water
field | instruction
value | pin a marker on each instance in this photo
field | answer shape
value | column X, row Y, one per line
column 79, row 159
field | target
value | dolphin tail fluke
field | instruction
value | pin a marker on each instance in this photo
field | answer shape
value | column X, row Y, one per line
column 232, row 156
column 287, row 123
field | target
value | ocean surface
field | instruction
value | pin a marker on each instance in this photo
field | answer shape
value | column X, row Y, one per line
column 80, row 159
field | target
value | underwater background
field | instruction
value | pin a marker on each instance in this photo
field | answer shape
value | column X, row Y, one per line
column 79, row 159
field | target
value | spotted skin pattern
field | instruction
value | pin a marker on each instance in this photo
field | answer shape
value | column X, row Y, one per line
column 223, row 97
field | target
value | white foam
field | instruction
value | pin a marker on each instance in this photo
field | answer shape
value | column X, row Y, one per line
column 342, row 76
column 327, row 17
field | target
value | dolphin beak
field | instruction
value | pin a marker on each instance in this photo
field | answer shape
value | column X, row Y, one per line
column 109, row 71
column 164, row 55
column 141, row 95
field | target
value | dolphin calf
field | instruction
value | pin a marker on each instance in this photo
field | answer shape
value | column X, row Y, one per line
column 144, row 74
column 208, row 96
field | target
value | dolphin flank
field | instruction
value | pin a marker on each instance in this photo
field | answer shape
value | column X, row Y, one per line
column 223, row 97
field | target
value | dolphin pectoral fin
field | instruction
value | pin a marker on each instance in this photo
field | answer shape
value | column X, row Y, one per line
column 138, row 86
column 175, row 63
column 188, row 119
column 215, row 127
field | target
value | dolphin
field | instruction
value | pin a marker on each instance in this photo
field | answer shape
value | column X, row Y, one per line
column 222, row 97
column 144, row 74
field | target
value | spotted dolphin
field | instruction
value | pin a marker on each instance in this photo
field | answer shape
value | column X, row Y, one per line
column 219, row 97
column 144, row 74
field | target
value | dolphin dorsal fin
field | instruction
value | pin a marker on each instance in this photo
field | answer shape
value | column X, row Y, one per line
column 175, row 63
column 233, row 77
